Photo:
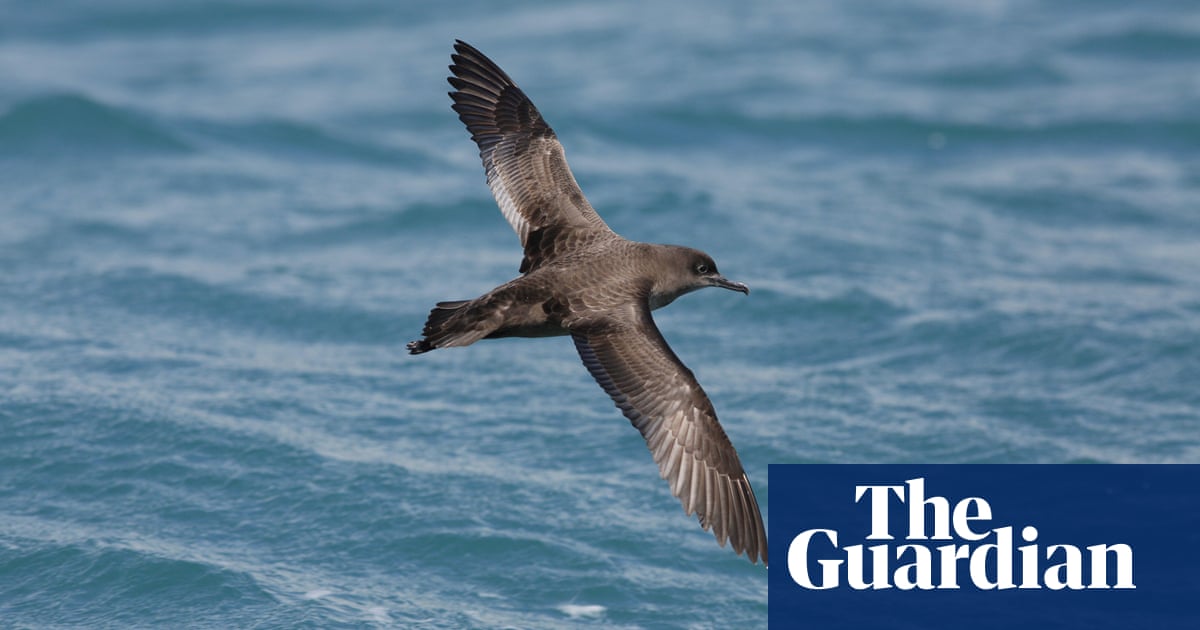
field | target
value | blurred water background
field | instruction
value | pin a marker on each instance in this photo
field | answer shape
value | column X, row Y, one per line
column 972, row 230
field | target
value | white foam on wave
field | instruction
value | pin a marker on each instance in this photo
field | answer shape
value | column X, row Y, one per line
column 378, row 614
column 579, row 611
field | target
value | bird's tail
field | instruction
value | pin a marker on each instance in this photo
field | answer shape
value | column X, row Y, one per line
column 437, row 332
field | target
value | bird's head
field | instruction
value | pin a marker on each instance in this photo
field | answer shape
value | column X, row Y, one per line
column 688, row 270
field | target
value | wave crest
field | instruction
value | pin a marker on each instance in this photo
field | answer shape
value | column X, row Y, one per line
column 76, row 125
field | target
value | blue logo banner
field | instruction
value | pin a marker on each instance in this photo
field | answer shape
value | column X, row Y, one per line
column 984, row 546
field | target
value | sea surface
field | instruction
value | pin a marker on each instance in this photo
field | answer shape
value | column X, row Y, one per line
column 972, row 231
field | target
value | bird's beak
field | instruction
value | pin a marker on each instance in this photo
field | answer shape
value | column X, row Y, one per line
column 725, row 283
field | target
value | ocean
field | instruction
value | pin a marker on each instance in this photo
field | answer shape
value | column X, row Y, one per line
column 971, row 231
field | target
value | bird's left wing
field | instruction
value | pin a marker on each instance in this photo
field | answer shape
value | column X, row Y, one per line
column 628, row 356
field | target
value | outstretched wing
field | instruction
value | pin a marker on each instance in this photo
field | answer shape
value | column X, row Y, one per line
column 524, row 162
column 633, row 363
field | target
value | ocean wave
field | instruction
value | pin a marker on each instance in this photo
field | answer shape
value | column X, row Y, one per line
column 90, row 573
column 1141, row 43
column 130, row 19
column 75, row 125
column 888, row 132
column 459, row 216
column 300, row 141
column 1001, row 76
column 194, row 302
column 855, row 306
column 1053, row 206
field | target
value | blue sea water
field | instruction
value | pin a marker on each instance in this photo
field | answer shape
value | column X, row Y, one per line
column 972, row 230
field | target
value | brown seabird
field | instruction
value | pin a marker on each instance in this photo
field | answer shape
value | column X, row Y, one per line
column 580, row 278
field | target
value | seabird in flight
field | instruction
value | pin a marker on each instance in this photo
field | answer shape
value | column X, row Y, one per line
column 580, row 278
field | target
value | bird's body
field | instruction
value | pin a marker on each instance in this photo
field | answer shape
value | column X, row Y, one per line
column 580, row 278
column 553, row 299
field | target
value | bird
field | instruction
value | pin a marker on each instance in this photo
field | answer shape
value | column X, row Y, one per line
column 580, row 278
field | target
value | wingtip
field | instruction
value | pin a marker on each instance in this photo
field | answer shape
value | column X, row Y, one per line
column 463, row 50
column 760, row 552
column 752, row 554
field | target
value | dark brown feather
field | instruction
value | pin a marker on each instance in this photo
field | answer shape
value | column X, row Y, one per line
column 654, row 389
column 524, row 162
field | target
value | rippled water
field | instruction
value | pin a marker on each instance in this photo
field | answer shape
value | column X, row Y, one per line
column 972, row 231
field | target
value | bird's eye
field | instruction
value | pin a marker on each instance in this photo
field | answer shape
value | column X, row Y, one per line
column 702, row 268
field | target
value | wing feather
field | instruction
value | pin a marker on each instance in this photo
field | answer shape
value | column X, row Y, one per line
column 633, row 363
column 525, row 165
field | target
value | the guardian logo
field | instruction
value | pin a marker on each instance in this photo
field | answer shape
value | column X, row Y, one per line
column 948, row 546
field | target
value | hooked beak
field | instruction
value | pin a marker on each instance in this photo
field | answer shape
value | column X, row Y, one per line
column 725, row 283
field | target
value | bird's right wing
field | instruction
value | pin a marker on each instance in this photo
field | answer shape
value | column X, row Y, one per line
column 524, row 162
column 633, row 363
